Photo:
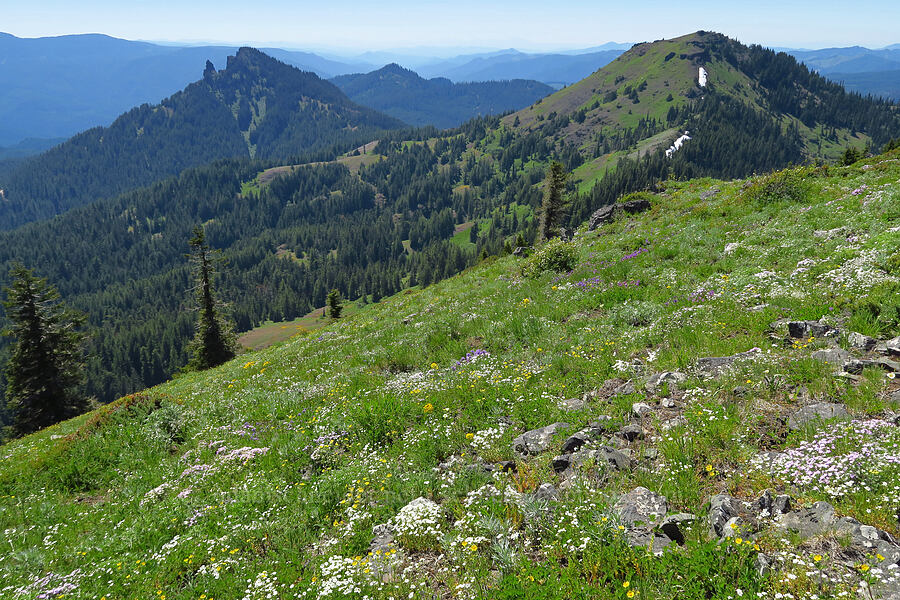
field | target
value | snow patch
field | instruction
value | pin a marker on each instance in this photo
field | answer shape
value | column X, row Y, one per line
column 702, row 77
column 678, row 144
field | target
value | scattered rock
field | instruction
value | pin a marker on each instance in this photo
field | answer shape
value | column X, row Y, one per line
column 829, row 233
column 521, row 251
column 895, row 396
column 631, row 432
column 892, row 347
column 667, row 403
column 740, row 391
column 641, row 409
column 668, row 378
column 536, row 441
column 507, row 466
column 763, row 564
column 565, row 234
column 546, row 492
column 561, row 463
column 888, row 365
column 580, row 438
column 820, row 411
column 625, row 389
column 715, row 365
column 611, row 457
column 807, row 522
column 832, row 356
column 674, row 526
column 861, row 342
column 722, row 508
column 650, row 453
column 573, row 404
column 607, row 213
column 672, row 423
column 807, row 329
column 856, row 366
column 384, row 538
column 640, row 505
column 781, row 505
column 643, row 537
column 729, row 248
column 707, row 194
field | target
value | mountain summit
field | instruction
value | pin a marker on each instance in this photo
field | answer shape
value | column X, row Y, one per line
column 736, row 98
column 257, row 107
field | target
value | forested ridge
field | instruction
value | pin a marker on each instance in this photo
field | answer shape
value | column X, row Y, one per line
column 255, row 107
column 405, row 95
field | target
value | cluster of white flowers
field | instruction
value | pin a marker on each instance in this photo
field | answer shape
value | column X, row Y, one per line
column 263, row 587
column 487, row 438
column 419, row 520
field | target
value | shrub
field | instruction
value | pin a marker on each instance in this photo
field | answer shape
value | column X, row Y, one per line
column 556, row 255
column 788, row 185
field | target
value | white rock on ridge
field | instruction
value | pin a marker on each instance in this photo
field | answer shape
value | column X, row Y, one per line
column 702, row 77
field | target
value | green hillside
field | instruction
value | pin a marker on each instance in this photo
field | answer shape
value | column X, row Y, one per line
column 646, row 98
column 380, row 456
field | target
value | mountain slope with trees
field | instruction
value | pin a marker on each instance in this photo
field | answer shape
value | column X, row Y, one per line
column 255, row 107
column 405, row 95
column 411, row 210
column 703, row 406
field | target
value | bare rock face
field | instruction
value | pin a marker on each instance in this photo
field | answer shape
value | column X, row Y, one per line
column 813, row 329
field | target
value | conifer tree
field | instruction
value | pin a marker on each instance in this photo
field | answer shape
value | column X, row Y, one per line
column 335, row 304
column 214, row 341
column 553, row 205
column 45, row 367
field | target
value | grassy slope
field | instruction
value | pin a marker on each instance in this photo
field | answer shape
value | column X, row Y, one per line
column 266, row 475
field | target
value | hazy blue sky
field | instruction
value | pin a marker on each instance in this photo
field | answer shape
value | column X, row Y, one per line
column 526, row 24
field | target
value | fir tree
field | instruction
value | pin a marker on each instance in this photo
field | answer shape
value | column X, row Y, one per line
column 335, row 304
column 553, row 204
column 44, row 371
column 213, row 342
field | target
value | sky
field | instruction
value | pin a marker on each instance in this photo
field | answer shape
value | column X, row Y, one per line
column 360, row 25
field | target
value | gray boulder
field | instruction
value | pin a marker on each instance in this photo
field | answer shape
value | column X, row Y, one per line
column 722, row 509
column 861, row 342
column 807, row 329
column 546, row 492
column 640, row 505
column 536, row 441
column 892, row 347
column 608, row 213
column 641, row 409
column 807, row 522
column 668, row 378
column 832, row 356
column 716, row 365
column 820, row 411
column 675, row 526
column 631, row 433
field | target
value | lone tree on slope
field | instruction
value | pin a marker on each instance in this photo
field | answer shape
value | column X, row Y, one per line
column 553, row 205
column 44, row 371
column 335, row 304
column 213, row 342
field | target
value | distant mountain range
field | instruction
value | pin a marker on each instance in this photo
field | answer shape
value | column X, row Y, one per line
column 55, row 87
column 257, row 107
column 862, row 70
column 401, row 93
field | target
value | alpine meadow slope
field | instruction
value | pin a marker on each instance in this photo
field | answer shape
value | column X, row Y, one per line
column 701, row 404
